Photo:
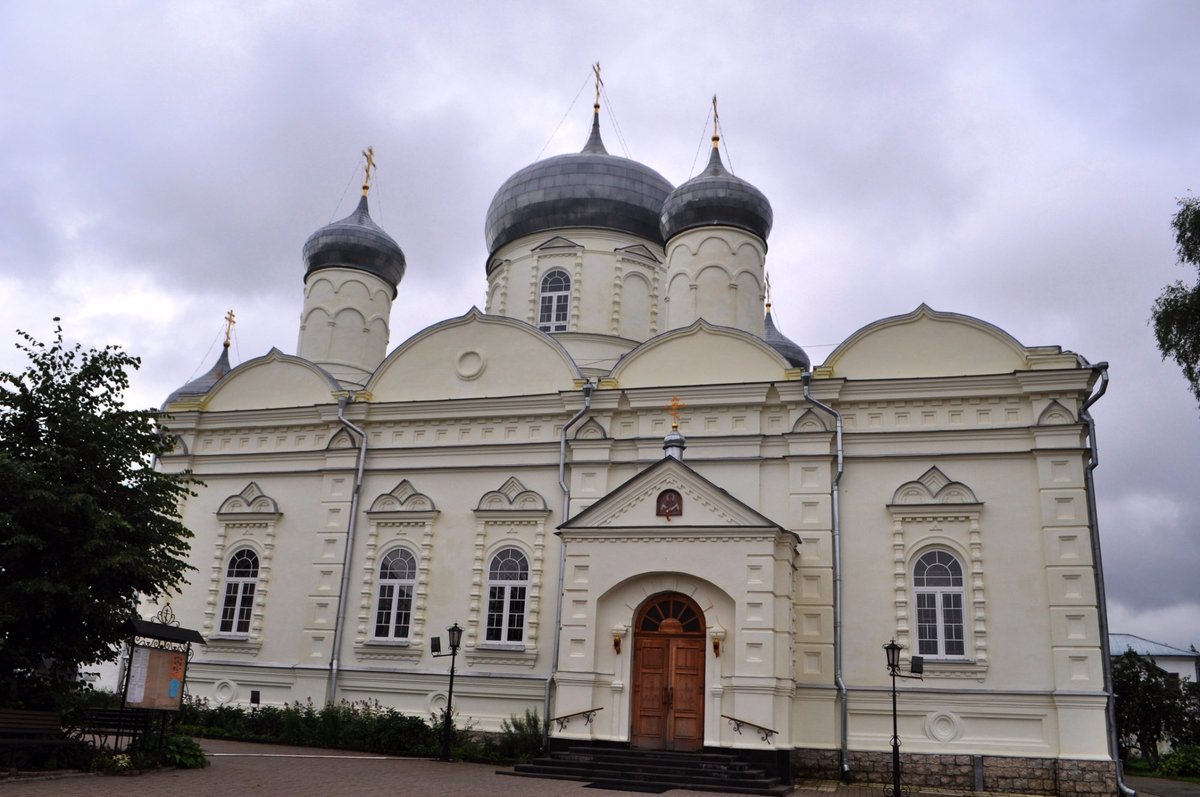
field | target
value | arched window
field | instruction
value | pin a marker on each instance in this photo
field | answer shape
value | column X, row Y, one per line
column 555, row 301
column 508, row 582
column 938, row 584
column 241, row 578
column 394, row 597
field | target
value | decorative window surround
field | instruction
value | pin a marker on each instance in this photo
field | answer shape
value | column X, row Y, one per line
column 401, row 517
column 515, row 517
column 248, row 520
column 935, row 512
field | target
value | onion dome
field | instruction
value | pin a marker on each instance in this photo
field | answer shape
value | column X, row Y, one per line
column 355, row 242
column 674, row 443
column 203, row 383
column 790, row 351
column 716, row 198
column 588, row 189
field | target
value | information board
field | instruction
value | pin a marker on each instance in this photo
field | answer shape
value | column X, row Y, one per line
column 156, row 678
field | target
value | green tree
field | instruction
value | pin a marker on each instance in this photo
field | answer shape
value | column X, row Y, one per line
column 1176, row 312
column 87, row 524
column 1150, row 705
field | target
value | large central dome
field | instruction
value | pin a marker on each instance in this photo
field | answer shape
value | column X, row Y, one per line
column 588, row 189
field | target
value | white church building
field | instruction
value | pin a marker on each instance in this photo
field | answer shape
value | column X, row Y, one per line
column 652, row 516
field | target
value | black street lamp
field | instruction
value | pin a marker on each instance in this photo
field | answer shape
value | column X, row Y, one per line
column 454, row 637
column 916, row 668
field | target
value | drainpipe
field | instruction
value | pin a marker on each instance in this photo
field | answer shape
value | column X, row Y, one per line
column 1110, row 713
column 838, row 679
column 588, row 387
column 335, row 656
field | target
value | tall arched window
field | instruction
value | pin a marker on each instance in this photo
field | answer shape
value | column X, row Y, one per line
column 555, row 301
column 393, row 606
column 241, row 579
column 938, row 585
column 508, row 582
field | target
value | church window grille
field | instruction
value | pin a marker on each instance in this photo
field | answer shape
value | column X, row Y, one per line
column 241, row 580
column 508, row 583
column 393, row 606
column 938, row 587
column 555, row 301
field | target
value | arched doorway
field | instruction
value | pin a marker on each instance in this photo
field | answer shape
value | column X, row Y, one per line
column 668, row 674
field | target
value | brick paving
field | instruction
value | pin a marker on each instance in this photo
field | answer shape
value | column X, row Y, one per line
column 275, row 771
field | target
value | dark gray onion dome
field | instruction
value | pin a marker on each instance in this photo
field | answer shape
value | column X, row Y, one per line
column 355, row 242
column 203, row 383
column 791, row 352
column 716, row 197
column 588, row 189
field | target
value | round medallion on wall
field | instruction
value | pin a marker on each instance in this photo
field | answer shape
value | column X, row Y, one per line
column 943, row 726
column 225, row 692
column 470, row 364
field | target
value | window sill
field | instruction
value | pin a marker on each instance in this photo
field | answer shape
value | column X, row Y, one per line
column 228, row 643
column 955, row 668
column 401, row 650
column 496, row 653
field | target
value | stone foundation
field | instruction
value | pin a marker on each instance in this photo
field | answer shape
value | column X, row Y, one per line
column 1051, row 776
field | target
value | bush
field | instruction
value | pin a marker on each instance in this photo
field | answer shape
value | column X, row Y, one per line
column 1183, row 762
column 362, row 725
column 182, row 752
column 521, row 738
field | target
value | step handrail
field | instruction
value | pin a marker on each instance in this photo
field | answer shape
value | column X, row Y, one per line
column 588, row 715
column 764, row 732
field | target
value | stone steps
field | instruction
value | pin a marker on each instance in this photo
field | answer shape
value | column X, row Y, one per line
column 655, row 770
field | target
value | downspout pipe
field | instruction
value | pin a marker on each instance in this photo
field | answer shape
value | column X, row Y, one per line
column 352, row 525
column 588, row 387
column 838, row 677
column 1110, row 713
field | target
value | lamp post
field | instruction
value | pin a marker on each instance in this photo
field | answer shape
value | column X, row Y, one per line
column 454, row 638
column 916, row 668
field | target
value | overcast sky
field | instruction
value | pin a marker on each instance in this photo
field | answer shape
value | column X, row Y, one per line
column 161, row 163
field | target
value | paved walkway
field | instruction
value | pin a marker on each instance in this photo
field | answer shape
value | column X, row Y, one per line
column 273, row 771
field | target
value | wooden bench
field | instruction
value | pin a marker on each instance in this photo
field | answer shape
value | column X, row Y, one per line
column 24, row 734
column 115, row 728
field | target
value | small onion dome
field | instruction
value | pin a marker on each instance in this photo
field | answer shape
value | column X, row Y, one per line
column 588, row 189
column 203, row 383
column 355, row 242
column 674, row 444
column 716, row 197
column 795, row 355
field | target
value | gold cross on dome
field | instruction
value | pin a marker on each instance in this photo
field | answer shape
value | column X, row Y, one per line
column 230, row 320
column 599, row 82
column 675, row 406
column 369, row 154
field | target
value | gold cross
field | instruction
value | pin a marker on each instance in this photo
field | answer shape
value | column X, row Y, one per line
column 599, row 82
column 675, row 406
column 230, row 320
column 369, row 154
column 716, row 123
column 767, row 281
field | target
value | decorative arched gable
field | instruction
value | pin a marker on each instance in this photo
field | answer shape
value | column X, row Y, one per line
column 474, row 356
column 274, row 380
column 934, row 488
column 926, row 343
column 686, row 356
column 511, row 496
column 1055, row 414
column 591, row 430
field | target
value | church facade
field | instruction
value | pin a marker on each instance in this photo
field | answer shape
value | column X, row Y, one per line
column 655, row 520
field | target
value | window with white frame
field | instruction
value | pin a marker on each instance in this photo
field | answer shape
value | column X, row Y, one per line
column 241, row 580
column 554, row 302
column 939, row 592
column 394, row 597
column 508, row 583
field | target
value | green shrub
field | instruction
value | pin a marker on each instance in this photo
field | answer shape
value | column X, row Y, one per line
column 182, row 752
column 520, row 738
column 1183, row 762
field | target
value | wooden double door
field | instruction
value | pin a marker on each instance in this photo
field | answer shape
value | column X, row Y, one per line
column 668, row 675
